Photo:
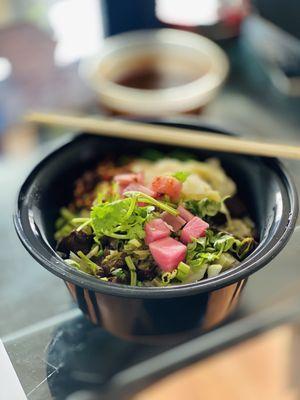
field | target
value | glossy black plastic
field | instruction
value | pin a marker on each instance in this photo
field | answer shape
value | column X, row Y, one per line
column 143, row 313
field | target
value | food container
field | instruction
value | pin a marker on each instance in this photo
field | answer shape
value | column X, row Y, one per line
column 154, row 313
column 155, row 73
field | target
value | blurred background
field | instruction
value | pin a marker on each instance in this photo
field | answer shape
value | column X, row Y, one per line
column 43, row 42
column 48, row 49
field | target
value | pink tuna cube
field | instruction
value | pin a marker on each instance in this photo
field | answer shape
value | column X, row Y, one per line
column 167, row 185
column 194, row 229
column 136, row 187
column 167, row 253
column 185, row 214
column 155, row 230
column 175, row 222
column 125, row 179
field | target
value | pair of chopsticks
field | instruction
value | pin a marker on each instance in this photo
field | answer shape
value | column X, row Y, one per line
column 165, row 135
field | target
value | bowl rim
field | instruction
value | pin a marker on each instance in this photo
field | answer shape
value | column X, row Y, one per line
column 45, row 255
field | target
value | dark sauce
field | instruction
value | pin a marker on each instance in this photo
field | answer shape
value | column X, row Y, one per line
column 153, row 78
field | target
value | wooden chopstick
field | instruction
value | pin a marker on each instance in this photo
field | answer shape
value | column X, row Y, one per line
column 166, row 135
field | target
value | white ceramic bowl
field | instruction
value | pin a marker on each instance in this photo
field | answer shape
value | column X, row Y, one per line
column 173, row 50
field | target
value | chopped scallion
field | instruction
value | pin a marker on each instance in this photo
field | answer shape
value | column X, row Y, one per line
column 183, row 271
column 132, row 270
column 144, row 198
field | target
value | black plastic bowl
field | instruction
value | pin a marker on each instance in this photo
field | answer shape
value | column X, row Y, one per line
column 150, row 312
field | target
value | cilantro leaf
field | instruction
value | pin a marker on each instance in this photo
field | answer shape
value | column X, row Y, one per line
column 181, row 176
column 121, row 219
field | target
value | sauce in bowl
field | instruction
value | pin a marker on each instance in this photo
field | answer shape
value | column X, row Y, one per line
column 158, row 73
column 154, row 77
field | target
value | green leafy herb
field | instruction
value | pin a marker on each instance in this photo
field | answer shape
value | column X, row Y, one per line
column 181, row 176
column 204, row 207
column 243, row 247
column 220, row 247
column 223, row 242
column 121, row 219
